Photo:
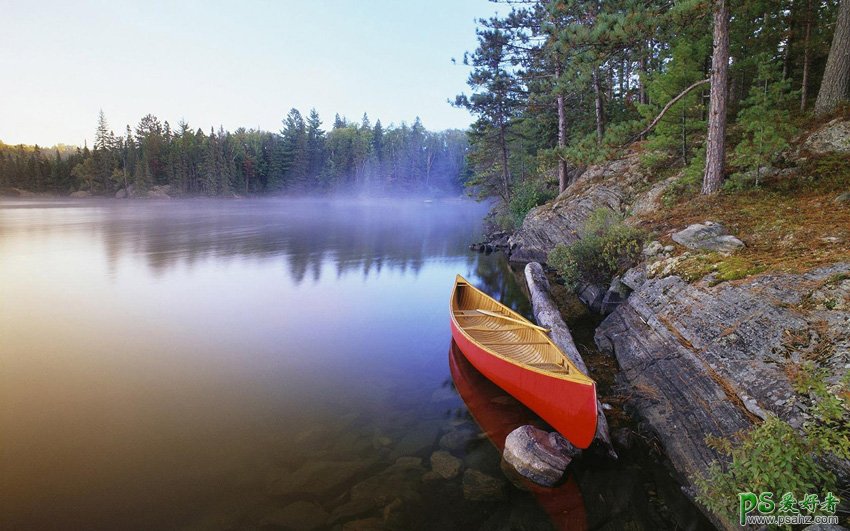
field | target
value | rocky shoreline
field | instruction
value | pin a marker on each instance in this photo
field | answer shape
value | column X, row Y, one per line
column 699, row 357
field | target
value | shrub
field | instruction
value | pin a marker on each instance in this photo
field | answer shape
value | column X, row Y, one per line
column 774, row 457
column 606, row 247
column 771, row 457
column 527, row 195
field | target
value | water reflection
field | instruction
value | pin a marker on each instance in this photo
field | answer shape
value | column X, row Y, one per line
column 306, row 234
column 498, row 414
column 169, row 365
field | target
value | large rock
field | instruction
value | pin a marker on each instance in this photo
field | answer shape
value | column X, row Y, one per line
column 708, row 236
column 710, row 360
column 80, row 194
column 538, row 455
column 611, row 185
column 833, row 137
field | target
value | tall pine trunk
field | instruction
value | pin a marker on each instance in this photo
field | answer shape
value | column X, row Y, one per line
column 562, row 135
column 506, row 172
column 804, row 88
column 715, row 149
column 836, row 77
column 600, row 116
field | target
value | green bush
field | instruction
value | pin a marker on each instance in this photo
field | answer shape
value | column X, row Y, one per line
column 771, row 457
column 527, row 195
column 607, row 247
column 775, row 457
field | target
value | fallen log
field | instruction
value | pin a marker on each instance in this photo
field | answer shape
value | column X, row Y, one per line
column 547, row 314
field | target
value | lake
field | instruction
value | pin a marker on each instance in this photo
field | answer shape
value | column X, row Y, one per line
column 256, row 364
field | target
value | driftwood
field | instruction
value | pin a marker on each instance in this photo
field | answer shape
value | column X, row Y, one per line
column 548, row 315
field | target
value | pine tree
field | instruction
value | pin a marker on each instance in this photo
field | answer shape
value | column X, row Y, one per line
column 836, row 77
column 497, row 104
column 715, row 151
column 763, row 118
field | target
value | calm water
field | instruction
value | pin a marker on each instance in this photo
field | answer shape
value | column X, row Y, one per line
column 251, row 364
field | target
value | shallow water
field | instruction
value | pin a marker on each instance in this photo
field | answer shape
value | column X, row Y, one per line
column 245, row 364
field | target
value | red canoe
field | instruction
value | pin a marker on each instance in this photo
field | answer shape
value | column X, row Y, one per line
column 519, row 357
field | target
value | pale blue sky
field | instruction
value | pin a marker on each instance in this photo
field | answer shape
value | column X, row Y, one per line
column 237, row 63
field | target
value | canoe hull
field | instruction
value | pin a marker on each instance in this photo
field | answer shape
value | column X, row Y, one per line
column 568, row 406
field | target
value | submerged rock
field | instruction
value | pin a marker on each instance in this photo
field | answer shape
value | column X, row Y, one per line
column 478, row 486
column 320, row 478
column 366, row 524
column 538, row 455
column 352, row 509
column 456, row 439
column 445, row 464
column 400, row 480
column 420, row 438
column 298, row 516
column 708, row 236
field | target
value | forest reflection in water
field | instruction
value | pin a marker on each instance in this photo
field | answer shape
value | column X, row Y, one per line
column 174, row 364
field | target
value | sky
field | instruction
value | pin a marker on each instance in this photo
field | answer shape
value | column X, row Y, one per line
column 234, row 64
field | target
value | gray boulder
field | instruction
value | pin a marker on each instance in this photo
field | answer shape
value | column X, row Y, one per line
column 538, row 455
column 708, row 236
column 833, row 137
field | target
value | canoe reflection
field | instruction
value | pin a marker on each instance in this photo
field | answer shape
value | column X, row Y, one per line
column 498, row 414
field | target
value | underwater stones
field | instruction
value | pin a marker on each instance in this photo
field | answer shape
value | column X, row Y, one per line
column 445, row 464
column 319, row 478
column 419, row 439
column 298, row 516
column 538, row 455
column 351, row 509
column 400, row 480
column 478, row 486
column 455, row 439
column 443, row 394
column 366, row 524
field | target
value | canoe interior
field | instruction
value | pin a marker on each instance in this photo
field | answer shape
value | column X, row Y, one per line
column 511, row 340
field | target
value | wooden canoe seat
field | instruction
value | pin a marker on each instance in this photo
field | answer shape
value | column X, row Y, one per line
column 549, row 367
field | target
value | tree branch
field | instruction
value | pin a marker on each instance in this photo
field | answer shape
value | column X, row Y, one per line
column 667, row 108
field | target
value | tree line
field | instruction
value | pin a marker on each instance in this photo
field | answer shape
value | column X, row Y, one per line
column 303, row 158
column 708, row 84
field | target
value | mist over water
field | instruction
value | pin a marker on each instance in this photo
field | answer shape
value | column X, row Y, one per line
column 165, row 364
